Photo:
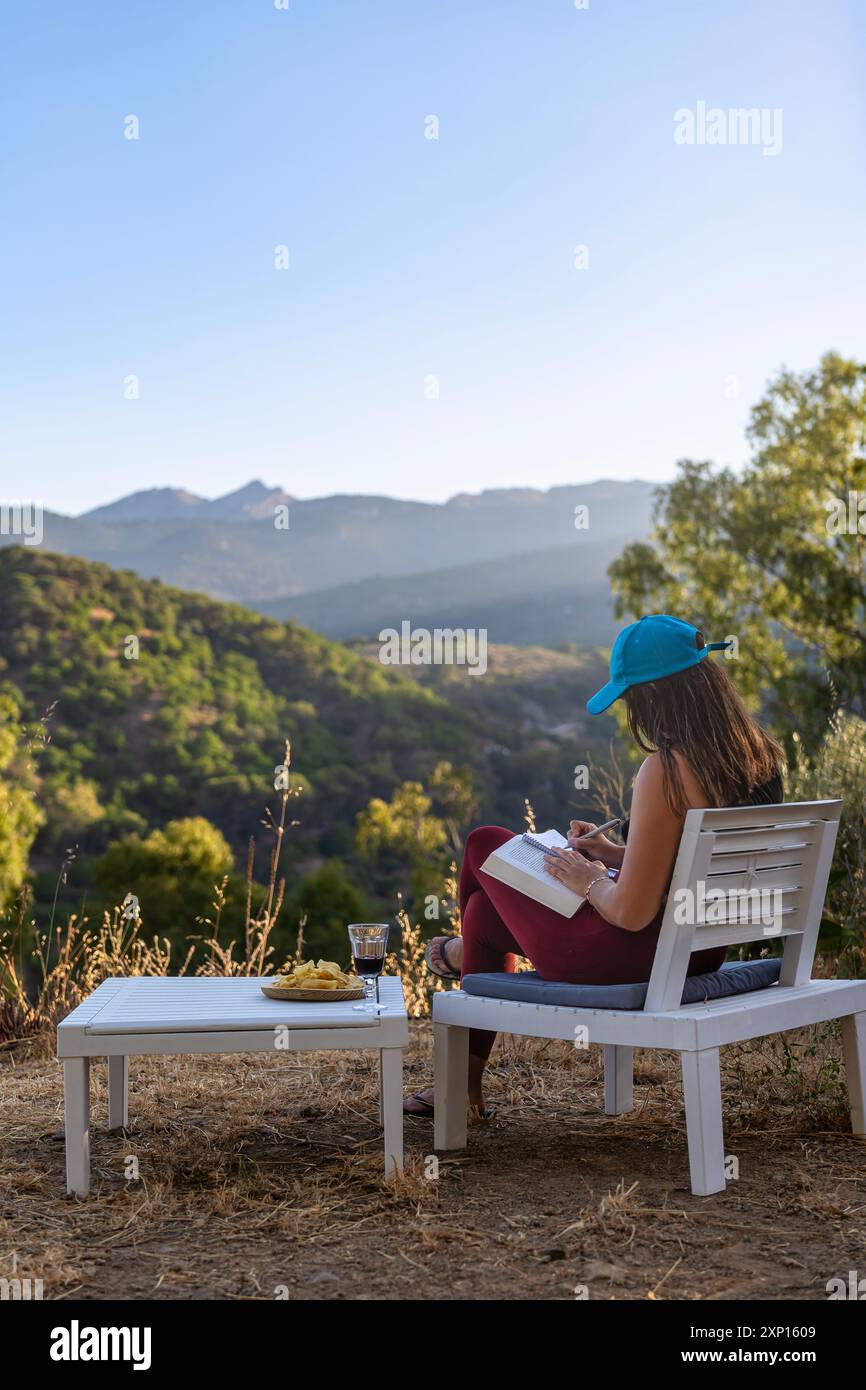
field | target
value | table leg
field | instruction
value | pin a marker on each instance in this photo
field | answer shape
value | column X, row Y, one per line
column 391, row 1101
column 381, row 1091
column 76, row 1095
column 118, row 1079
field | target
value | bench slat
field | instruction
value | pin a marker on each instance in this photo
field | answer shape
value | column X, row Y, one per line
column 757, row 817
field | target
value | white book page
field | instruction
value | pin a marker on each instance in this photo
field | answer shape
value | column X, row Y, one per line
column 531, row 860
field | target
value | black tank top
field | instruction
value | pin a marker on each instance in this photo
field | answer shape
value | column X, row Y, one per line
column 769, row 793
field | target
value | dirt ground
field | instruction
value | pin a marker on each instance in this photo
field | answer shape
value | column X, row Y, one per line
column 261, row 1177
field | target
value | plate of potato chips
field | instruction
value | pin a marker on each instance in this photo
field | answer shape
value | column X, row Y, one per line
column 313, row 982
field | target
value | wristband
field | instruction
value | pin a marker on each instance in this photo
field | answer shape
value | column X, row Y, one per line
column 590, row 886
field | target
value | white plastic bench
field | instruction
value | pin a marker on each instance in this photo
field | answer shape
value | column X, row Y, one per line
column 787, row 848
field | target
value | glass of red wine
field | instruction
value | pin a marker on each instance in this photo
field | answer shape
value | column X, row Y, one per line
column 369, row 943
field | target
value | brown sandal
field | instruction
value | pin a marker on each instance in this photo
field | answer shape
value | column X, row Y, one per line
column 447, row 973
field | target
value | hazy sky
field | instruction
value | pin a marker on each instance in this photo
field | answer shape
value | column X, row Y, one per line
column 412, row 258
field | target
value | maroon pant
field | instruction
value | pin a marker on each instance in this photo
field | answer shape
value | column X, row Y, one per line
column 499, row 924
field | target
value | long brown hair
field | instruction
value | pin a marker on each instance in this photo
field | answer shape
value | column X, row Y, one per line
column 699, row 714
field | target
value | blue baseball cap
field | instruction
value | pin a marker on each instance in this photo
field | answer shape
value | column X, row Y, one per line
column 647, row 650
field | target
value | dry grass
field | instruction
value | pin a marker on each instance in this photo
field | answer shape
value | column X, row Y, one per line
column 261, row 1177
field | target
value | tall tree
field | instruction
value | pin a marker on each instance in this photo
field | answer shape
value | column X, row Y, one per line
column 403, row 835
column 20, row 817
column 774, row 556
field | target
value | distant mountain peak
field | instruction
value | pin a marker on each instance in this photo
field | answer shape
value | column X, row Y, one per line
column 255, row 501
column 250, row 492
column 252, row 502
column 151, row 504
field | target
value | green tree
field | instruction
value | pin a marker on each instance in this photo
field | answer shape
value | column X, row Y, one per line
column 71, row 812
column 171, row 872
column 20, row 817
column 453, row 792
column 840, row 768
column 766, row 555
column 329, row 901
column 402, row 834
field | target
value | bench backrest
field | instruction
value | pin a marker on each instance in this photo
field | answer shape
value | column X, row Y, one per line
column 746, row 874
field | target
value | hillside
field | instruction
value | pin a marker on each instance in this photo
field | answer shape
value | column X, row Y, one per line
column 194, row 724
column 544, row 597
column 200, row 716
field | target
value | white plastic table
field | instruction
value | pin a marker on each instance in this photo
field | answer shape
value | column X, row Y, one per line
column 146, row 1015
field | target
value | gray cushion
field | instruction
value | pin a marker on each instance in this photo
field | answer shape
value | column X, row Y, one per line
column 735, row 977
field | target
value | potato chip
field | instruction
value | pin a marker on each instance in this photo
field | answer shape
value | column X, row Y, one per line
column 321, row 975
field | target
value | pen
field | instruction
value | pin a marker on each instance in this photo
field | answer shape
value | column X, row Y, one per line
column 600, row 829
column 551, row 850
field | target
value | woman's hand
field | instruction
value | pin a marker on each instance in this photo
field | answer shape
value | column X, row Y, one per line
column 604, row 849
column 571, row 868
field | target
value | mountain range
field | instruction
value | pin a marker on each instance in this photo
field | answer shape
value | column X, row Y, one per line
column 510, row 560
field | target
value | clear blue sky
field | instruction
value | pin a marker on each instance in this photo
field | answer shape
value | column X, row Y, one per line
column 411, row 257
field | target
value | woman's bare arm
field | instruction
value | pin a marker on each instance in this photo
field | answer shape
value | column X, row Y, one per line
column 653, row 839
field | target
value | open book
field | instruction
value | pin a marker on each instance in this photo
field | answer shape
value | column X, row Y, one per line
column 520, row 864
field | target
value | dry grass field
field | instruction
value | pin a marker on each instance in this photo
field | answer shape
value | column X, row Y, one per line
column 260, row 1177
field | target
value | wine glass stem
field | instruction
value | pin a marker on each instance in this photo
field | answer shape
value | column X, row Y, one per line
column 370, row 991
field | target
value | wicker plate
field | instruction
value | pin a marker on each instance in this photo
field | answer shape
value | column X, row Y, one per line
column 313, row 996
